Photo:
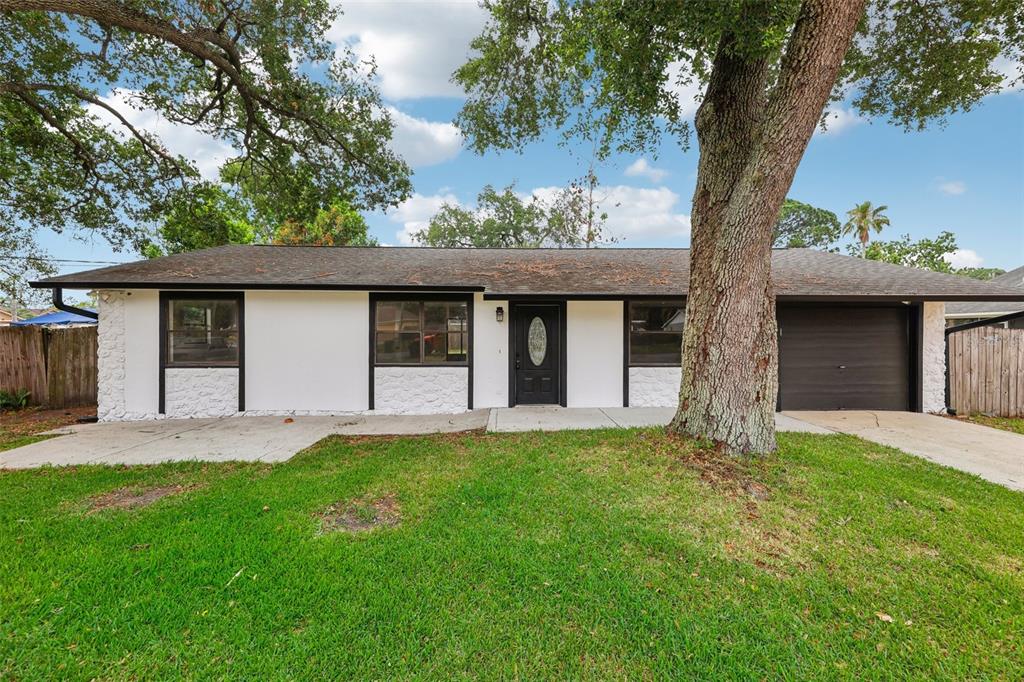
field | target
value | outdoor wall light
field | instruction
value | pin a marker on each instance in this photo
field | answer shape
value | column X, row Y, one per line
column 499, row 314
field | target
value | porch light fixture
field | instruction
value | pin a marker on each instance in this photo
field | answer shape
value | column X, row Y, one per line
column 499, row 314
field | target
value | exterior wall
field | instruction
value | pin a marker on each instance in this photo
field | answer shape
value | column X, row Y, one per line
column 128, row 362
column 933, row 358
column 191, row 392
column 490, row 354
column 420, row 390
column 594, row 353
column 306, row 352
column 654, row 386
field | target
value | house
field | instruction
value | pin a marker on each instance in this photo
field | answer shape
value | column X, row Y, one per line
column 298, row 330
column 963, row 312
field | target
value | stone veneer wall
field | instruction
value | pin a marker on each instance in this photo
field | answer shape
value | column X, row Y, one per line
column 933, row 360
column 654, row 386
column 193, row 392
column 110, row 360
column 420, row 390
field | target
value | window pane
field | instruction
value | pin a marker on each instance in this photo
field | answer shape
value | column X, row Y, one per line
column 656, row 317
column 202, row 331
column 398, row 316
column 443, row 316
column 398, row 347
column 439, row 347
column 659, row 349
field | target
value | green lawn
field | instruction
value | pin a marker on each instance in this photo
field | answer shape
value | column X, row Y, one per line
column 572, row 555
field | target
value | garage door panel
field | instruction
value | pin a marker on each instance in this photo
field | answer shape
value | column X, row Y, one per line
column 844, row 358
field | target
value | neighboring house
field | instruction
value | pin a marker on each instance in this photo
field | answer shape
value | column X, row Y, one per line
column 964, row 312
column 314, row 330
column 58, row 318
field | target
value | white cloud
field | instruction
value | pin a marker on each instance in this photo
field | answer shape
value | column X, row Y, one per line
column 637, row 213
column 421, row 142
column 640, row 168
column 964, row 258
column 416, row 45
column 953, row 187
column 208, row 152
column 838, row 119
column 415, row 213
column 1012, row 72
column 689, row 91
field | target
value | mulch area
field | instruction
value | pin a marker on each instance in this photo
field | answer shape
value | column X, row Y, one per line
column 33, row 420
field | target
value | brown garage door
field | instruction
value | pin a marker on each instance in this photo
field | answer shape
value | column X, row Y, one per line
column 837, row 358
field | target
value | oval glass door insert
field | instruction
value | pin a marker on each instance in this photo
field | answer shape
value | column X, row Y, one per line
column 537, row 341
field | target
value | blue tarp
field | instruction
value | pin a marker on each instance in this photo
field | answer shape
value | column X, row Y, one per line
column 57, row 317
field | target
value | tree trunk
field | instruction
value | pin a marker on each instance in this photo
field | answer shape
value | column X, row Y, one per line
column 751, row 142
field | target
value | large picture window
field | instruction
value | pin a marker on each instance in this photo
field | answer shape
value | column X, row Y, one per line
column 202, row 331
column 656, row 333
column 421, row 332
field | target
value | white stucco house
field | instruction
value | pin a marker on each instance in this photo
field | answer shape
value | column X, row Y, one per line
column 261, row 330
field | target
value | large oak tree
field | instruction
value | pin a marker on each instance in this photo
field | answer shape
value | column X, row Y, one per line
column 256, row 74
column 609, row 71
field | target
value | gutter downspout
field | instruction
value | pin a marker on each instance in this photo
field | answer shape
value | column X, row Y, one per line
column 59, row 304
column 964, row 327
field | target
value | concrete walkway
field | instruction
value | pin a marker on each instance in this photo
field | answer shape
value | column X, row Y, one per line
column 555, row 418
column 250, row 439
column 996, row 456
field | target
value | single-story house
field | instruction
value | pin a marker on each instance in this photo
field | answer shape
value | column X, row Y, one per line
column 294, row 330
column 962, row 312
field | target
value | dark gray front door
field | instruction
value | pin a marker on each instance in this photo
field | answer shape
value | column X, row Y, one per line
column 844, row 358
column 536, row 354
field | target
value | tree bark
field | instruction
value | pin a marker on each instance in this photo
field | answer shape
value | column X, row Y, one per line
column 751, row 141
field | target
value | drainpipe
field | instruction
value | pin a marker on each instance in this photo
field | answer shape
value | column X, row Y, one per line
column 59, row 304
column 972, row 325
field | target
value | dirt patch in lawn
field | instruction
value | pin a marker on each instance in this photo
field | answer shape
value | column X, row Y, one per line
column 34, row 420
column 361, row 514
column 133, row 498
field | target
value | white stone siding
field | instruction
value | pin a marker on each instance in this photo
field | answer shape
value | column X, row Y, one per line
column 654, row 386
column 933, row 360
column 420, row 390
column 192, row 392
column 127, row 362
column 110, row 357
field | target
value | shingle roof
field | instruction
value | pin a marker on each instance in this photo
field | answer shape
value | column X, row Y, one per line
column 1013, row 278
column 608, row 272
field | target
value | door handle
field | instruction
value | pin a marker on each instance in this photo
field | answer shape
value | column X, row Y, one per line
column 517, row 361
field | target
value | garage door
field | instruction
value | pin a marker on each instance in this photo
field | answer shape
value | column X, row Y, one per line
column 833, row 358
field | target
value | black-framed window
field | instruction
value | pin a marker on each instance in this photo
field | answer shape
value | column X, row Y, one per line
column 421, row 332
column 656, row 333
column 202, row 330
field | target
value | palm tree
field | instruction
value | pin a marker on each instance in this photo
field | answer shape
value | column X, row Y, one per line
column 862, row 218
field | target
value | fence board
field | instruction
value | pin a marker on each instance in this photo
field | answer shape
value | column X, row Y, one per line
column 986, row 371
column 57, row 365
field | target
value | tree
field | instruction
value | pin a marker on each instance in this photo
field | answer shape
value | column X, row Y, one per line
column 572, row 217
column 927, row 254
column 983, row 274
column 337, row 225
column 863, row 218
column 207, row 216
column 801, row 225
column 257, row 75
column 598, row 70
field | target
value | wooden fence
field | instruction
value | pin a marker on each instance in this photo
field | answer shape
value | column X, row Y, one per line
column 986, row 371
column 57, row 365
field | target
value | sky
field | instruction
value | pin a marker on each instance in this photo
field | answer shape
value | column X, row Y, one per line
column 966, row 177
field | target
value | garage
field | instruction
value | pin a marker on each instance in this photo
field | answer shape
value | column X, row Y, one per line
column 845, row 358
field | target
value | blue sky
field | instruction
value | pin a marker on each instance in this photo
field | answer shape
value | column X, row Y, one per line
column 966, row 177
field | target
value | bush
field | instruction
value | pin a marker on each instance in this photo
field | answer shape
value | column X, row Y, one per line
column 14, row 401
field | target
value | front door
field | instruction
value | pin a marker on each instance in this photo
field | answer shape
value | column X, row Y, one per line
column 536, row 354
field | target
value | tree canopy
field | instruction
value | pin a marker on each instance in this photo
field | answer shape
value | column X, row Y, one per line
column 801, row 225
column 337, row 225
column 258, row 76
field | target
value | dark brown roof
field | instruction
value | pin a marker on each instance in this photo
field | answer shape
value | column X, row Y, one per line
column 1013, row 278
column 612, row 272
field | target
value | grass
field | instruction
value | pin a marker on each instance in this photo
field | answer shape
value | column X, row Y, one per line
column 610, row 554
column 1014, row 424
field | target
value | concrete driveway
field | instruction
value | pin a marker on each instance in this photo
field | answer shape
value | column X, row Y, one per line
column 994, row 455
column 249, row 439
